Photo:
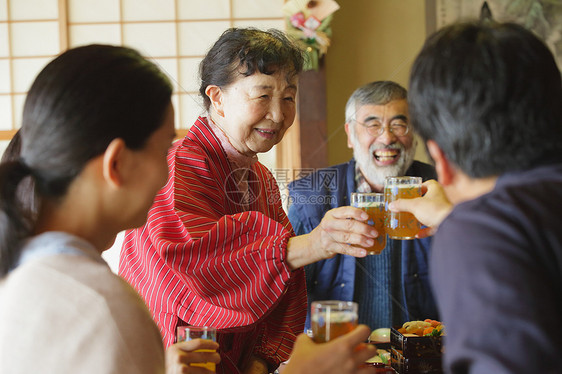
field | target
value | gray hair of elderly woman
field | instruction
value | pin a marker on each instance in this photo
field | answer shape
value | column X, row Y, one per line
column 245, row 51
column 373, row 93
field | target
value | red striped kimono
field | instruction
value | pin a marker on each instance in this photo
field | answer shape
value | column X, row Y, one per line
column 202, row 260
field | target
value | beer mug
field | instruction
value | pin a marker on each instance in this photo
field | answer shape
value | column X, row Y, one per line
column 332, row 318
column 401, row 225
column 185, row 333
column 373, row 205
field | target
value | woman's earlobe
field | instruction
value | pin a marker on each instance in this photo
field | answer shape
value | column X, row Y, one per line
column 214, row 93
column 113, row 159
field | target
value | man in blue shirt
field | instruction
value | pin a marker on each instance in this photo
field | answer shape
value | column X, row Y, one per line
column 391, row 287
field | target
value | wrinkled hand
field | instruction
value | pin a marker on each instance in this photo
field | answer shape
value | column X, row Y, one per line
column 342, row 230
column 180, row 355
column 430, row 209
column 342, row 355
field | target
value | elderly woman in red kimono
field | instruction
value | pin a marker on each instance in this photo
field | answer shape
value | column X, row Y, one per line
column 218, row 249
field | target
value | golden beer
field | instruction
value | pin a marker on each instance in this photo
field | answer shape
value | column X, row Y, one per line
column 185, row 333
column 373, row 205
column 401, row 225
column 326, row 332
column 332, row 318
column 207, row 365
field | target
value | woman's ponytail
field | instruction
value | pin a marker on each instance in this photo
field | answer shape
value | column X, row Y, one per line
column 16, row 219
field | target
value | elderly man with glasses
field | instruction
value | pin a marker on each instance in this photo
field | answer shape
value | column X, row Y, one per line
column 391, row 287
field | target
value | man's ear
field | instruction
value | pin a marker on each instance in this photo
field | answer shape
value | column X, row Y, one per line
column 215, row 95
column 348, row 131
column 445, row 170
column 113, row 162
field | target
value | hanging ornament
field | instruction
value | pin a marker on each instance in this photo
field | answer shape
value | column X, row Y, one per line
column 308, row 22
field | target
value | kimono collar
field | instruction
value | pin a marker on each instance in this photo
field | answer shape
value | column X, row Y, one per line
column 234, row 156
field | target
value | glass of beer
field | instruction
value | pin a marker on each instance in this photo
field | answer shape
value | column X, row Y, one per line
column 332, row 318
column 373, row 205
column 401, row 225
column 185, row 333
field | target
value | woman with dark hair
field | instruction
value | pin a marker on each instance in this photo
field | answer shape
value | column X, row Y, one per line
column 96, row 121
column 25, row 192
column 218, row 249
column 12, row 151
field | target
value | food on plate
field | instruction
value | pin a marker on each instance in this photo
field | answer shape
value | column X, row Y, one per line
column 428, row 327
column 381, row 335
column 417, row 347
column 382, row 356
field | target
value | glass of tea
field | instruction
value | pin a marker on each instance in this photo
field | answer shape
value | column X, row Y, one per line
column 332, row 318
column 185, row 333
column 373, row 205
column 401, row 225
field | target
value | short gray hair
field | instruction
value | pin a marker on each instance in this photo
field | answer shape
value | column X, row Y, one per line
column 375, row 93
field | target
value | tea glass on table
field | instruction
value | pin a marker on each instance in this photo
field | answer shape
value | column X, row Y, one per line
column 185, row 333
column 332, row 318
column 373, row 205
column 401, row 225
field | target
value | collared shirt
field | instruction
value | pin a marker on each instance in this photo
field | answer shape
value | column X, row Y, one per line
column 361, row 181
column 335, row 278
column 56, row 242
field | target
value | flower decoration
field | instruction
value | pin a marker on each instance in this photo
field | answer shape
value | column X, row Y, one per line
column 308, row 22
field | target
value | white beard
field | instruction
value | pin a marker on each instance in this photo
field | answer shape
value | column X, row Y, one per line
column 376, row 175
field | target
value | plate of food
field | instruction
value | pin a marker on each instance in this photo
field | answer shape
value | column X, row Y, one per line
column 417, row 347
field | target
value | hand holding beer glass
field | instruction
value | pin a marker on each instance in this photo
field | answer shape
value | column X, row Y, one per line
column 401, row 225
column 373, row 205
column 185, row 333
column 332, row 318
